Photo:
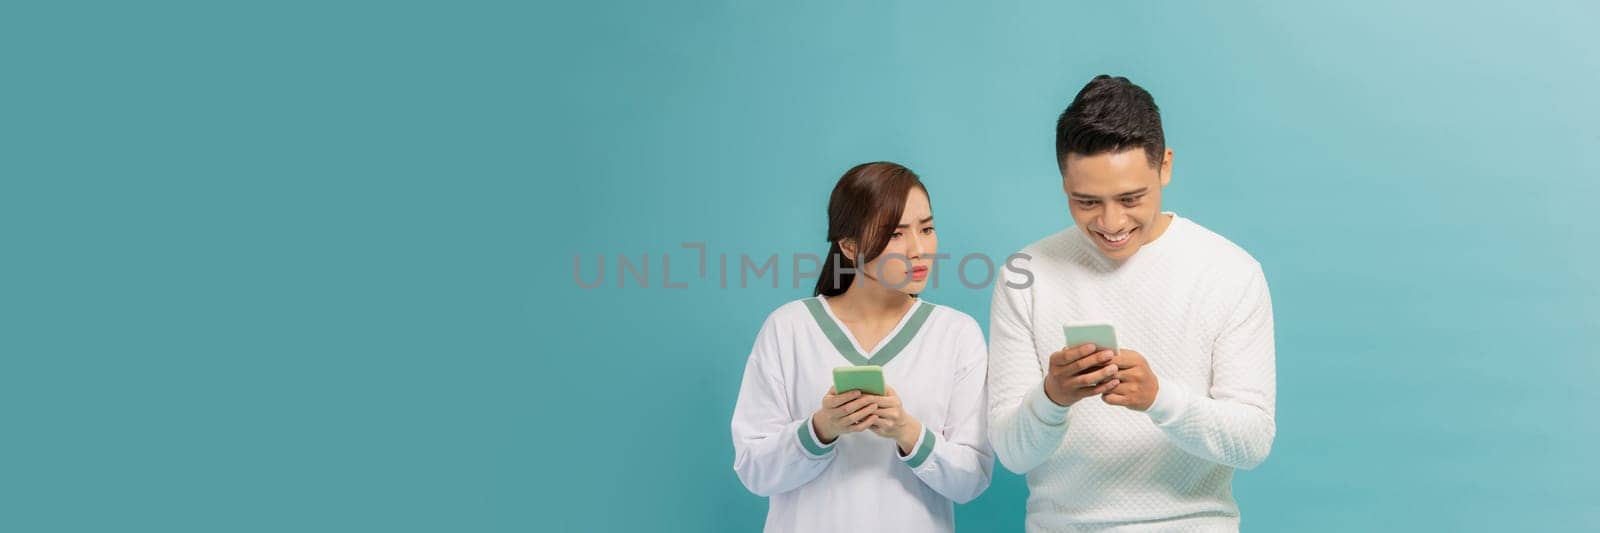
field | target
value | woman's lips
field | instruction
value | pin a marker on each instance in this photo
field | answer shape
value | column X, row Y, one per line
column 919, row 273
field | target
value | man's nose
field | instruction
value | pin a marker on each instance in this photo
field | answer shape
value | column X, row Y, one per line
column 1111, row 217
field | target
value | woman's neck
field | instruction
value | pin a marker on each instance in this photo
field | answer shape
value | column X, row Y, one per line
column 866, row 300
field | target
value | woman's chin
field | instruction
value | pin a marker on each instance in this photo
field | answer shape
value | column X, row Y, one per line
column 913, row 287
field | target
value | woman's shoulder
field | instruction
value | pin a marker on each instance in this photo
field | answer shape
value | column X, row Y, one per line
column 802, row 313
column 950, row 318
column 790, row 314
column 958, row 331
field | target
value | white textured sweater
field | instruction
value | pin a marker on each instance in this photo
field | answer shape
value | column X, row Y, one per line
column 1197, row 307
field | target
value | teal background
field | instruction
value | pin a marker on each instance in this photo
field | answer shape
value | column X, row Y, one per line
column 309, row 266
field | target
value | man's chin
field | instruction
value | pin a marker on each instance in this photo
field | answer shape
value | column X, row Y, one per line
column 1111, row 251
column 1121, row 253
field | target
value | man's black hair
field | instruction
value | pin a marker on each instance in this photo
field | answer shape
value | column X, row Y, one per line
column 1110, row 114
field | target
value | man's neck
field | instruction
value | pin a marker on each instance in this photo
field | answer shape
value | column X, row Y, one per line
column 1163, row 221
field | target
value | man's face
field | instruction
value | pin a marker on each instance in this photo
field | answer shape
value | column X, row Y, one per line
column 1115, row 198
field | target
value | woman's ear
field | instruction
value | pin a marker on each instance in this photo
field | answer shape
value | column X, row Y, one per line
column 848, row 246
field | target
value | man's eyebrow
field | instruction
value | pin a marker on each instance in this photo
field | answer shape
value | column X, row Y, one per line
column 923, row 221
column 1135, row 192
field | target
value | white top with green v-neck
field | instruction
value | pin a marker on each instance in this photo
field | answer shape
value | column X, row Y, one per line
column 935, row 358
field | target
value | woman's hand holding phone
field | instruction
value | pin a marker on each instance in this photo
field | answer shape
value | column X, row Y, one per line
column 844, row 413
column 894, row 423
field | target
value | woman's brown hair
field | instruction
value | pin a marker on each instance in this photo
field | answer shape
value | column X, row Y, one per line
column 865, row 208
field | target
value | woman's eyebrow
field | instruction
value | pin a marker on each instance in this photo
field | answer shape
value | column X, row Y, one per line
column 923, row 221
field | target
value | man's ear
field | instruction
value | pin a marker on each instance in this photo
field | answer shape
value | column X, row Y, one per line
column 1166, row 168
column 1062, row 164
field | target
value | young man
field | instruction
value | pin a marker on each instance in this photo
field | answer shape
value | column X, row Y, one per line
column 1145, row 438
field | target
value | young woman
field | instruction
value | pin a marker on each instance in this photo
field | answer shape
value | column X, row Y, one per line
column 854, row 461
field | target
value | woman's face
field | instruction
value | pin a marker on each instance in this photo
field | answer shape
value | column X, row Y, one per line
column 905, row 263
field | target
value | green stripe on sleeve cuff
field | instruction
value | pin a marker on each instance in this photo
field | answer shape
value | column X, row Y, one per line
column 809, row 441
column 923, row 451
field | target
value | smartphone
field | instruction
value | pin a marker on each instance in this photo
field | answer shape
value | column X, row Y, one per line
column 1102, row 335
column 866, row 378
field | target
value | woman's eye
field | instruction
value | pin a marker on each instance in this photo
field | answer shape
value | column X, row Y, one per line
column 928, row 230
column 895, row 235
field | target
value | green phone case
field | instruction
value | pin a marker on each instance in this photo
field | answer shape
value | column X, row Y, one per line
column 1102, row 335
column 867, row 378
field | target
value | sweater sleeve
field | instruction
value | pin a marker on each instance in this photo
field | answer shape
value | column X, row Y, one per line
column 1025, row 427
column 1232, row 423
column 775, row 450
column 955, row 460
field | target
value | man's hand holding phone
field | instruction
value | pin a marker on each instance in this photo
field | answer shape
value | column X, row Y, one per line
column 1137, row 384
column 1079, row 372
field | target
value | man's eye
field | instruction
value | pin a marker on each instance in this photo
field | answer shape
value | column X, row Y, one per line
column 1130, row 202
column 1087, row 203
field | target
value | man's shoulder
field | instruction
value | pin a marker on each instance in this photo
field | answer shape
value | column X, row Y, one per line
column 1223, row 254
column 1062, row 244
column 1058, row 255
